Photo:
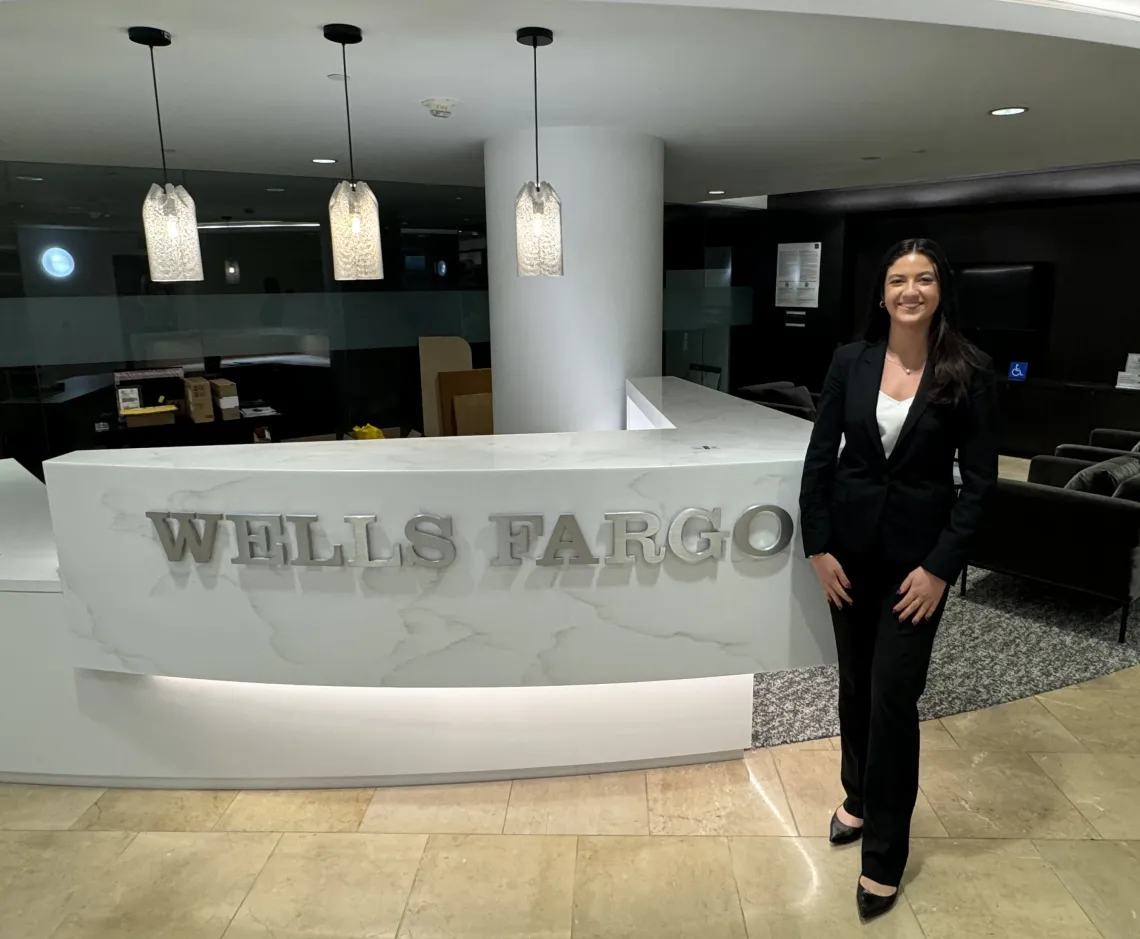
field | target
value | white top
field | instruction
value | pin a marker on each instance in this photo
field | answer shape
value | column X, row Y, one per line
column 28, row 559
column 891, row 415
column 684, row 424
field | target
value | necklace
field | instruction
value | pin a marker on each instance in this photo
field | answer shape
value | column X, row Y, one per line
column 894, row 358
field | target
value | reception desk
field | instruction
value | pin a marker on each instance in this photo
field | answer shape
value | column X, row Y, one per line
column 373, row 612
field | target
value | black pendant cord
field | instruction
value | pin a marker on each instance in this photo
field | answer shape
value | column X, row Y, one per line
column 348, row 118
column 158, row 114
column 537, row 178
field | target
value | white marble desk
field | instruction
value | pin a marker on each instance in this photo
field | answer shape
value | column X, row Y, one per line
column 28, row 560
column 289, row 652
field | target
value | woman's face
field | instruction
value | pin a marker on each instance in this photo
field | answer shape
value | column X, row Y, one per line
column 911, row 292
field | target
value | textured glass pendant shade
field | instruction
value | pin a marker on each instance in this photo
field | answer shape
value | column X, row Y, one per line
column 170, row 224
column 354, row 222
column 538, row 231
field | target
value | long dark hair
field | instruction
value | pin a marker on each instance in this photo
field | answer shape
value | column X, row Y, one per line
column 952, row 357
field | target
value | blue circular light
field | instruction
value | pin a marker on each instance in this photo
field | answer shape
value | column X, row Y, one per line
column 57, row 263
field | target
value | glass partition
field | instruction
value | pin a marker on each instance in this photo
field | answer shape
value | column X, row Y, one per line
column 77, row 305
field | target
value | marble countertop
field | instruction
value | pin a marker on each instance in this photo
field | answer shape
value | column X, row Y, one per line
column 28, row 559
column 696, row 427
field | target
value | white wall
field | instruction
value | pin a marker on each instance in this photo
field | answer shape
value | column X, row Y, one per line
column 563, row 347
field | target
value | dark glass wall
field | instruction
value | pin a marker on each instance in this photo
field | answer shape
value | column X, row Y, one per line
column 77, row 304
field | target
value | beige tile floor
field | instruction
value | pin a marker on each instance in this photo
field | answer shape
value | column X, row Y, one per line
column 1013, row 467
column 1028, row 825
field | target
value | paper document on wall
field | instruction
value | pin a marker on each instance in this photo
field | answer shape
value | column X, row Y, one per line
column 797, row 274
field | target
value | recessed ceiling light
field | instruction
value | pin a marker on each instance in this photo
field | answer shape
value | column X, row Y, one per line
column 716, row 192
column 274, row 189
column 336, row 76
column 31, row 179
column 1008, row 112
column 57, row 263
column 323, row 160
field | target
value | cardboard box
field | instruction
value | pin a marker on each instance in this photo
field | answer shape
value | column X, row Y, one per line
column 451, row 385
column 225, row 399
column 474, row 414
column 151, row 417
column 198, row 403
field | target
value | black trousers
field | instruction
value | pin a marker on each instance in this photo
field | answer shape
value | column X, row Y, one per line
column 882, row 673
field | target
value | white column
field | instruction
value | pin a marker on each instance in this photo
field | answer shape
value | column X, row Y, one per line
column 562, row 347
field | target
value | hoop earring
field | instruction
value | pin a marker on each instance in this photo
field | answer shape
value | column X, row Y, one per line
column 883, row 304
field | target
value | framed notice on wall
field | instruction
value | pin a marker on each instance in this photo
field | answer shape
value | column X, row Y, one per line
column 797, row 274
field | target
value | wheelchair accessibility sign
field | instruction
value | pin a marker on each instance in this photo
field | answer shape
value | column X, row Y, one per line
column 1018, row 371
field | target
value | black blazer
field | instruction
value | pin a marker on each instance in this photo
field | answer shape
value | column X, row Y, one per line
column 901, row 510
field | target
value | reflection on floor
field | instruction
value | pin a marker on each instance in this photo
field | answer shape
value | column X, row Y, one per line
column 1028, row 825
column 1013, row 467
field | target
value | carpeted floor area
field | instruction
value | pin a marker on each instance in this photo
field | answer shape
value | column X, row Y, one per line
column 1007, row 639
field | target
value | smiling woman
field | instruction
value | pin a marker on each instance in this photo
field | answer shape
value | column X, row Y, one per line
column 886, row 534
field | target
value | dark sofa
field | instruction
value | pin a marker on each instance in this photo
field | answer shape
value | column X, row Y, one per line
column 1114, row 439
column 1042, row 531
column 1103, row 444
column 783, row 396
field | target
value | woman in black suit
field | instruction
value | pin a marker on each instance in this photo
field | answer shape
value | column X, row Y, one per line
column 886, row 534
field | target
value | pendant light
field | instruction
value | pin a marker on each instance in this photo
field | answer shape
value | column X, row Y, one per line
column 354, row 217
column 538, row 210
column 170, row 221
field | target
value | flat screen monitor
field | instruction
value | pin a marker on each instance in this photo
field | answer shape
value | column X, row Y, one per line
column 999, row 297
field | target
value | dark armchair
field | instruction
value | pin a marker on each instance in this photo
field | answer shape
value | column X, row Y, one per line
column 1114, row 439
column 1042, row 531
column 782, row 396
column 1103, row 445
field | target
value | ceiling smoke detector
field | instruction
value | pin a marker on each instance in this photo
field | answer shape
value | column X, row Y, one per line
column 440, row 107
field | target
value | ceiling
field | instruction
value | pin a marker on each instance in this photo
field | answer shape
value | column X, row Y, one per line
column 747, row 101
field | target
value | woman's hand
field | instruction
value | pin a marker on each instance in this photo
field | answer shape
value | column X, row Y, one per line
column 834, row 581
column 921, row 593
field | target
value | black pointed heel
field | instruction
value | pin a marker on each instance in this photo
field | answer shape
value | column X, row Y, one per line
column 843, row 834
column 871, row 905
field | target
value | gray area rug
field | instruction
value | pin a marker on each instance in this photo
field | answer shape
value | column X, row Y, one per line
column 1008, row 638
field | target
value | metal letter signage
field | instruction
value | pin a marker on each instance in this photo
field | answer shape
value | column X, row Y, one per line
column 567, row 536
column 742, row 533
column 426, row 541
column 304, row 556
column 711, row 534
column 623, row 537
column 508, row 537
column 693, row 536
column 186, row 534
column 362, row 553
column 260, row 540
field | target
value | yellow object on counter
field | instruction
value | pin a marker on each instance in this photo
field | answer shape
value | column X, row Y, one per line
column 367, row 432
column 157, row 409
